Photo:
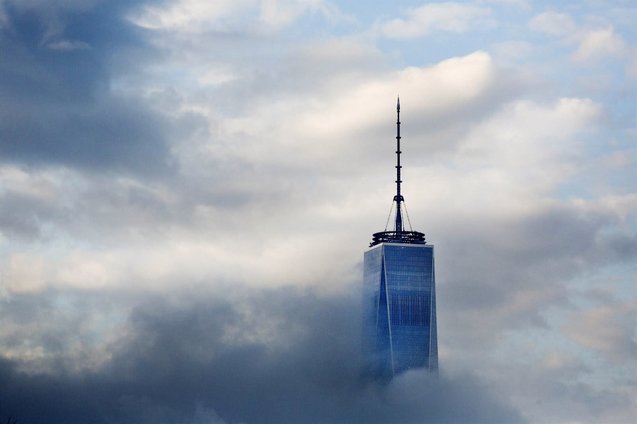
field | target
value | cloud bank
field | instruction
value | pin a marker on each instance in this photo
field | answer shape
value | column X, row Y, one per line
column 282, row 355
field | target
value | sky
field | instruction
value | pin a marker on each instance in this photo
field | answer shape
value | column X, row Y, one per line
column 187, row 189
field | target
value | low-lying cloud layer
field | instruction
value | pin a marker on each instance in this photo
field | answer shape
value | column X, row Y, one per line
column 280, row 355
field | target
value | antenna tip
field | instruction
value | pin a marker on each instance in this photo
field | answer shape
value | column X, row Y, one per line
column 398, row 104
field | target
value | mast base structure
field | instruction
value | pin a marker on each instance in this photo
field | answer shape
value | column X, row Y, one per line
column 411, row 237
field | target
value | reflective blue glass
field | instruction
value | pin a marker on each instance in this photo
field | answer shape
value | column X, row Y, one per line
column 399, row 309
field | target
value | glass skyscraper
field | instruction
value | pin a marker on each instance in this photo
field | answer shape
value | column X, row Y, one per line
column 399, row 290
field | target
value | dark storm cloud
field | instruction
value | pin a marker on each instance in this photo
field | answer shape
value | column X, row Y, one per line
column 280, row 355
column 58, row 62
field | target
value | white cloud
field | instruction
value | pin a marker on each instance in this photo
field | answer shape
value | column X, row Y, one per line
column 520, row 4
column 334, row 124
column 529, row 144
column 39, row 185
column 512, row 51
column 201, row 237
column 514, row 150
column 192, row 16
column 598, row 44
column 553, row 23
column 591, row 43
column 450, row 17
column 608, row 329
column 339, row 55
column 23, row 273
column 279, row 13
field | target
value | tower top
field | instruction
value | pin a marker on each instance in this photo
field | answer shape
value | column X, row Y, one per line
column 399, row 235
column 398, row 198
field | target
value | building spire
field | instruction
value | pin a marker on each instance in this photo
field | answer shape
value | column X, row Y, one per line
column 399, row 234
column 398, row 198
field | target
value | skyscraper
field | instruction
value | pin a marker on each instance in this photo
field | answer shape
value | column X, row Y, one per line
column 399, row 290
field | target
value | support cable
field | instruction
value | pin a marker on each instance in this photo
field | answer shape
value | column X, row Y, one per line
column 391, row 208
column 407, row 214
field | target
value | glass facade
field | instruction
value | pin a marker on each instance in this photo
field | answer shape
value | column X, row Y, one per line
column 400, row 309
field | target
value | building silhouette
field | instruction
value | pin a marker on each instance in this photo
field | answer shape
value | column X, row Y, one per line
column 399, row 290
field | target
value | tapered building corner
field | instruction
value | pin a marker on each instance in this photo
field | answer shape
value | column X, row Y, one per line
column 399, row 294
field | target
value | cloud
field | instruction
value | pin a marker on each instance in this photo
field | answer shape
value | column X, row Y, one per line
column 278, row 13
column 183, row 13
column 195, row 16
column 58, row 107
column 553, row 23
column 592, row 44
column 558, row 383
column 528, row 260
column 68, row 45
column 425, row 19
column 113, row 134
column 205, row 230
column 441, row 100
column 255, row 356
column 608, row 329
column 599, row 43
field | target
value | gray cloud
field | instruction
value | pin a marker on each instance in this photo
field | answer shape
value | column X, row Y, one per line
column 57, row 105
column 281, row 355
column 508, row 273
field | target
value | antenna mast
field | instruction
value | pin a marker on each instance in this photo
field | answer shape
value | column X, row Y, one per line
column 398, row 198
column 399, row 235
